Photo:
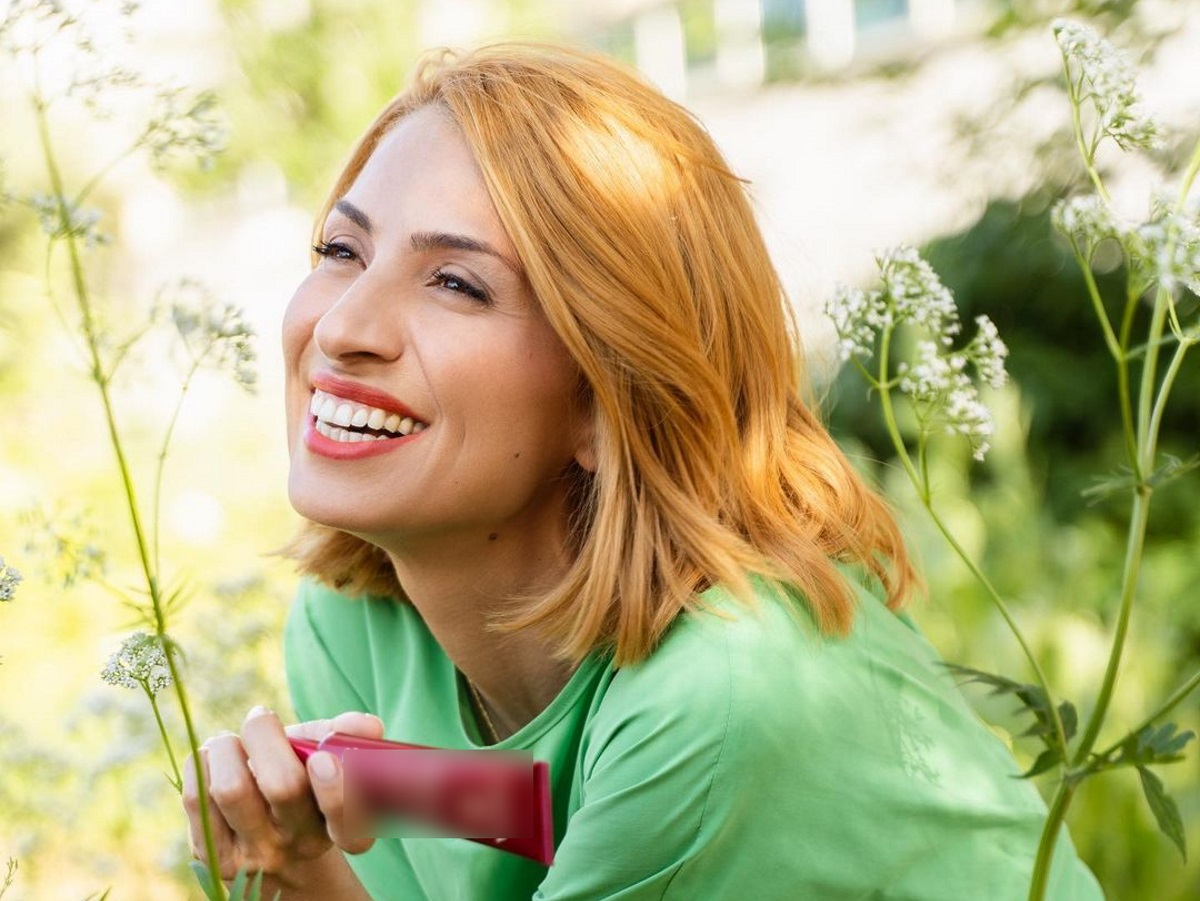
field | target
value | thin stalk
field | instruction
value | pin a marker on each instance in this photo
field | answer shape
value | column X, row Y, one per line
column 162, row 731
column 1164, row 390
column 1049, row 839
column 1086, row 151
column 1138, row 519
column 1124, row 391
column 91, row 338
column 927, row 501
column 1110, row 338
column 1173, row 700
column 162, row 454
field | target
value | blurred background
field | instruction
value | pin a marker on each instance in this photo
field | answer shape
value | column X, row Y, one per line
column 858, row 124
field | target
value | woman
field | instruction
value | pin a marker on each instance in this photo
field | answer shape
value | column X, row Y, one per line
column 566, row 499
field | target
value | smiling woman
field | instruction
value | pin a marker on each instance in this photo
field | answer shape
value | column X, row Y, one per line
column 566, row 498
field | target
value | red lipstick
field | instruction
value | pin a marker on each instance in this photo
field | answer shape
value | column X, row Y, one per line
column 362, row 394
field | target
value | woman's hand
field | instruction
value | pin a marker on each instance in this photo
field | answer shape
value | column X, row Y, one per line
column 268, row 812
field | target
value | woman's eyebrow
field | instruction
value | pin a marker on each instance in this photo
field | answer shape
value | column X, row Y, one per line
column 423, row 241
column 354, row 214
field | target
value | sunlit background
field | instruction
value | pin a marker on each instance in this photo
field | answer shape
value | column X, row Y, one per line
column 859, row 124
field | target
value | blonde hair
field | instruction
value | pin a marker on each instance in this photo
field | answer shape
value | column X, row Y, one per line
column 642, row 250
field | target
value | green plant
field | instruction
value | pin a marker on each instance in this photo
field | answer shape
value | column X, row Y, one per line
column 174, row 125
column 938, row 390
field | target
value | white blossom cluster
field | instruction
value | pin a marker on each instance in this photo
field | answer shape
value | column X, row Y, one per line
column 911, row 292
column 1105, row 76
column 943, row 391
column 940, row 382
column 140, row 662
column 1087, row 219
column 83, row 224
column 214, row 332
column 10, row 578
column 1165, row 249
column 184, row 124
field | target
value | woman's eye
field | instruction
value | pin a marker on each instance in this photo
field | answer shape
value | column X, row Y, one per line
column 459, row 285
column 334, row 250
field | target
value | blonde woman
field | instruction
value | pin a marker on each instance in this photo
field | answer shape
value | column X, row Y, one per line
column 566, row 497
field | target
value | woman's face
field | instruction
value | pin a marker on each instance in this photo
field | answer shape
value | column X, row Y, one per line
column 427, row 397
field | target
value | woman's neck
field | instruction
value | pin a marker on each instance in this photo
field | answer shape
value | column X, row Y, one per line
column 460, row 588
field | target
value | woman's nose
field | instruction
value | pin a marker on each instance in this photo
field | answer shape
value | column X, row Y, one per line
column 362, row 323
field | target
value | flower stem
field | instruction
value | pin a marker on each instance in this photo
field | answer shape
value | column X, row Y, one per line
column 1173, row 700
column 177, row 780
column 92, row 341
column 1049, row 839
column 923, row 490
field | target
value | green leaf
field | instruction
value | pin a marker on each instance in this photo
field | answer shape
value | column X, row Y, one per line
column 1162, row 744
column 1047, row 760
column 1033, row 700
column 213, row 893
column 1164, row 808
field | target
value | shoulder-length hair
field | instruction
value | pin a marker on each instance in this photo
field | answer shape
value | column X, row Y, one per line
column 642, row 251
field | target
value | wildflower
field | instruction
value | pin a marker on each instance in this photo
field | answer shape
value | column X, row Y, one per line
column 916, row 293
column 911, row 292
column 1087, row 220
column 9, row 579
column 184, row 125
column 1167, row 250
column 1102, row 74
column 941, row 382
column 988, row 352
column 140, row 662
column 858, row 318
column 81, row 223
column 215, row 333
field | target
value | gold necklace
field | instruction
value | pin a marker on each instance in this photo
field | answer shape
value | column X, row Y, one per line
column 493, row 734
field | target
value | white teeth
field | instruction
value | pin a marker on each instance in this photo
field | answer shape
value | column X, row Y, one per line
column 334, row 415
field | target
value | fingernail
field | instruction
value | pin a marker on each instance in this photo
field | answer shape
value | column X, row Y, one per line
column 257, row 710
column 323, row 766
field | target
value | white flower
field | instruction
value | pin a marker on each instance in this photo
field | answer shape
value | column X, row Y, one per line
column 1104, row 75
column 9, row 580
column 988, row 352
column 140, row 662
column 1167, row 249
column 916, row 293
column 1087, row 217
column 943, row 392
column 84, row 224
column 858, row 318
column 213, row 332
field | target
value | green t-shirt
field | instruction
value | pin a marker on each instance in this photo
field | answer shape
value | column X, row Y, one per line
column 747, row 757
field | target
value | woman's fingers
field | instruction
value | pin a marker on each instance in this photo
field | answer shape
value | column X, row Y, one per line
column 364, row 725
column 346, row 817
column 234, row 788
column 283, row 783
column 222, row 834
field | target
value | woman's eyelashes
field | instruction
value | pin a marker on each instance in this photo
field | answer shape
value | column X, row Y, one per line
column 439, row 278
column 334, row 250
column 459, row 285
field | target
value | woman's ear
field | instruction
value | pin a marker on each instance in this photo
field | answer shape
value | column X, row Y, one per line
column 585, row 434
